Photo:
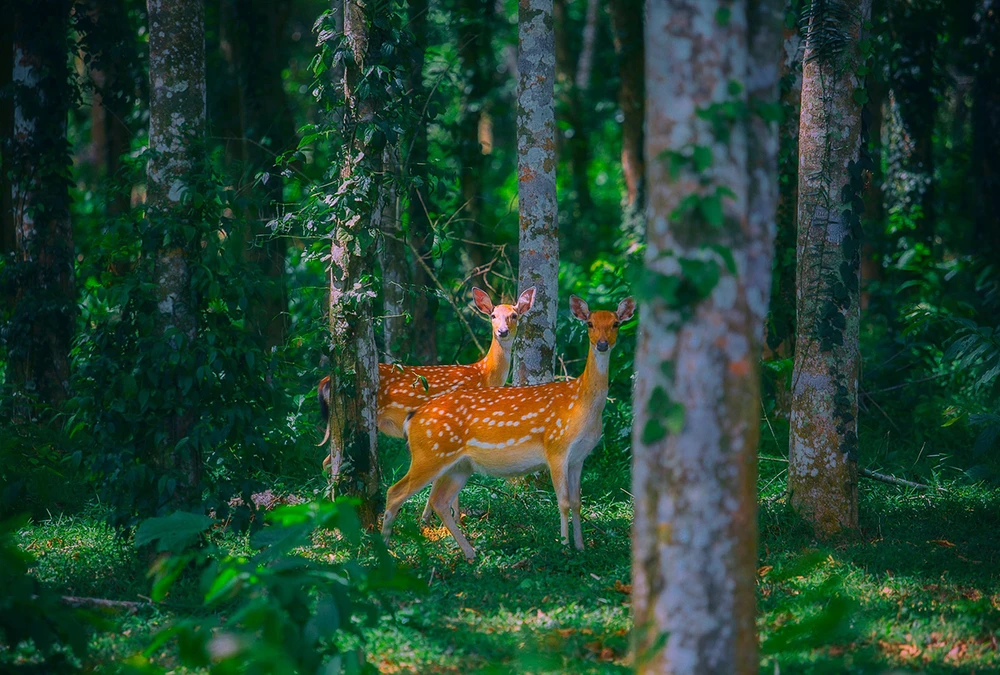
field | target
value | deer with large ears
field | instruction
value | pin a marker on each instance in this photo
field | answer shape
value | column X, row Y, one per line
column 513, row 431
column 403, row 389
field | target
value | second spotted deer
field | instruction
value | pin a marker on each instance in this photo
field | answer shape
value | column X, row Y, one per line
column 513, row 431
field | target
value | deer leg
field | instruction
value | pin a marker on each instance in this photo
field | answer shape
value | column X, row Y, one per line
column 414, row 481
column 442, row 497
column 573, row 475
column 561, row 485
column 429, row 510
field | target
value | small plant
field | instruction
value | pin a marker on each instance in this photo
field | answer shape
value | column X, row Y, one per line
column 276, row 610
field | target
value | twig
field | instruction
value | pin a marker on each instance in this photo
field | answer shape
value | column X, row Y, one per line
column 447, row 295
column 906, row 384
column 892, row 480
column 875, row 403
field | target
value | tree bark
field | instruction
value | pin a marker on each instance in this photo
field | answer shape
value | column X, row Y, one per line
column 354, row 376
column 697, row 397
column 177, row 113
column 822, row 469
column 538, row 247
column 627, row 26
column 41, row 326
column 421, row 299
column 572, row 110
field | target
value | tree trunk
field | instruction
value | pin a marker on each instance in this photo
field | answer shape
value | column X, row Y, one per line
column 42, row 323
column 697, row 397
column 8, row 238
column 627, row 25
column 538, row 247
column 176, row 137
column 394, row 264
column 354, row 376
column 822, row 469
column 986, row 133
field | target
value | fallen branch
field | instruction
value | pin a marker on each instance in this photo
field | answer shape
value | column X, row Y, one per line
column 103, row 603
column 892, row 480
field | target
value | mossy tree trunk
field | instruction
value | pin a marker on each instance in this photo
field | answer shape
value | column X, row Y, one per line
column 823, row 445
column 177, row 112
column 41, row 325
column 538, row 246
column 354, row 362
column 707, row 281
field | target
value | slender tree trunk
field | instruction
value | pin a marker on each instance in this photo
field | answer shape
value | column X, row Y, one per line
column 41, row 326
column 421, row 299
column 354, row 465
column 176, row 138
column 697, row 397
column 538, row 248
column 394, row 264
column 627, row 25
column 822, row 469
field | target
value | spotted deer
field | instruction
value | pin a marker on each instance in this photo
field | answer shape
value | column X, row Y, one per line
column 512, row 431
column 403, row 389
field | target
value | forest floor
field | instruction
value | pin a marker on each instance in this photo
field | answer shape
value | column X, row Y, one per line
column 917, row 588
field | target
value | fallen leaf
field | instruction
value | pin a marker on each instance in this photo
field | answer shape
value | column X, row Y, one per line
column 623, row 588
column 762, row 572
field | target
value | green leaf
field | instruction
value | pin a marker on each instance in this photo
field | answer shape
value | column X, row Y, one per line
column 701, row 155
column 173, row 533
column 860, row 96
column 711, row 210
column 722, row 16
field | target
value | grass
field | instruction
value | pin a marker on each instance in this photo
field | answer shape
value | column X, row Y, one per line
column 917, row 588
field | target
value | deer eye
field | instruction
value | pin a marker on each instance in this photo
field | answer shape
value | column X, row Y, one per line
column 617, row 323
column 590, row 324
column 493, row 315
column 512, row 317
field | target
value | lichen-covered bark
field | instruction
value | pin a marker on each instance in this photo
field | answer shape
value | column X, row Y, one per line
column 40, row 328
column 177, row 111
column 697, row 395
column 822, row 469
column 354, row 362
column 538, row 246
column 627, row 26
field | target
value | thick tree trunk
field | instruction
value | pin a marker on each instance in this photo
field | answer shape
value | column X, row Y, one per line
column 353, row 452
column 697, row 395
column 627, row 25
column 43, row 319
column 822, row 469
column 176, row 138
column 538, row 248
column 421, row 299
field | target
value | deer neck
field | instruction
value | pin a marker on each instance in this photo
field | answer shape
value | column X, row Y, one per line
column 593, row 383
column 496, row 364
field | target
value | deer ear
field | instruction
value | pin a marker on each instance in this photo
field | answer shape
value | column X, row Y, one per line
column 579, row 308
column 482, row 300
column 525, row 301
column 626, row 308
